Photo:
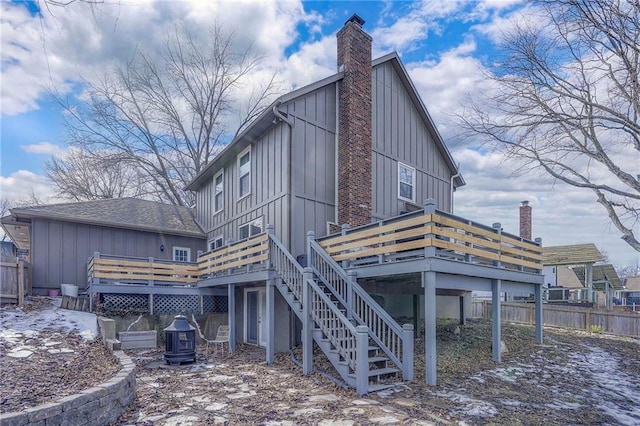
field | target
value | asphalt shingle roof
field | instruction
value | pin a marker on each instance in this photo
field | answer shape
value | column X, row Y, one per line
column 130, row 213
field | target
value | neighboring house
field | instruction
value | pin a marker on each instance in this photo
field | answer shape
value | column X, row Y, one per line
column 62, row 237
column 630, row 295
column 8, row 249
column 579, row 268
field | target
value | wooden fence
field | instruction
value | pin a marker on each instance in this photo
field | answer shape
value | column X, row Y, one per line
column 619, row 323
column 15, row 280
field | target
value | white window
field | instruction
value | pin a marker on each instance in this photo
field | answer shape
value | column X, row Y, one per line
column 244, row 176
column 181, row 254
column 406, row 183
column 218, row 198
column 216, row 243
column 250, row 229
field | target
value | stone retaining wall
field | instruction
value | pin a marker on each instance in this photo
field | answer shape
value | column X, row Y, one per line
column 100, row 405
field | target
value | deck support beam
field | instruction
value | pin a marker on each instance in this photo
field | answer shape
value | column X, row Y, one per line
column 538, row 314
column 270, row 296
column 496, row 320
column 430, row 354
column 231, row 302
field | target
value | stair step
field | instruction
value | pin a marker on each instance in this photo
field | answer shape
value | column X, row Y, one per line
column 379, row 372
column 378, row 359
column 377, row 387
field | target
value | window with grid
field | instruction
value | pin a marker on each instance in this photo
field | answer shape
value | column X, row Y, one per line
column 216, row 243
column 406, row 182
column 244, row 165
column 181, row 254
column 218, row 198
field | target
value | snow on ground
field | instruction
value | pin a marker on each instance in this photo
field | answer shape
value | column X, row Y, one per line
column 16, row 322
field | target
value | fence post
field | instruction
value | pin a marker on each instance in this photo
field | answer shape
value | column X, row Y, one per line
column 307, row 323
column 270, row 233
column 310, row 237
column 407, row 352
column 429, row 208
column 21, row 283
column 352, row 276
column 362, row 359
column 151, row 282
column 344, row 230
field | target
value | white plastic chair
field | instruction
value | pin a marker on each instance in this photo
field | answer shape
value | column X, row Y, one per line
column 221, row 337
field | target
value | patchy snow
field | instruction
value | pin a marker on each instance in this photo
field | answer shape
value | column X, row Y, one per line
column 17, row 324
column 470, row 406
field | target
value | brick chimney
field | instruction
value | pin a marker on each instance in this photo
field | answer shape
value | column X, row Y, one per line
column 354, row 127
column 525, row 220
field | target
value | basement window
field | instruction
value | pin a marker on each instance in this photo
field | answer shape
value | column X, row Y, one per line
column 406, row 183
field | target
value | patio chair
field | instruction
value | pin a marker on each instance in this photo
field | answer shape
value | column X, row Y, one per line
column 221, row 337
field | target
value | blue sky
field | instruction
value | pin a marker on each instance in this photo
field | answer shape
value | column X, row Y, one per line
column 444, row 44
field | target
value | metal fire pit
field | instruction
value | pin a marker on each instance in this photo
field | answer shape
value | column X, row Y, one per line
column 180, row 341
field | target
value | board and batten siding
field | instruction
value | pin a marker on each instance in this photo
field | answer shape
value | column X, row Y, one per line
column 60, row 250
column 268, row 193
column 313, row 164
column 400, row 135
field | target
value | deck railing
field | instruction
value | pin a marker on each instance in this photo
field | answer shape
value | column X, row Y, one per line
column 432, row 234
column 238, row 257
column 130, row 270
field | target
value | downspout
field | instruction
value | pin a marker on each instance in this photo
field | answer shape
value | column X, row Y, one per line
column 289, row 122
column 451, row 185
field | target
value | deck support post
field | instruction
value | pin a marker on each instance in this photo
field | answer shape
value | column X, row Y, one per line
column 270, row 296
column 231, row 307
column 538, row 314
column 496, row 320
column 416, row 311
column 430, row 354
column 307, row 324
column 463, row 319
column 407, row 352
column 362, row 359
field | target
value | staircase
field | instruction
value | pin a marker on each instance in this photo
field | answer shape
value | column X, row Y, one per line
column 363, row 343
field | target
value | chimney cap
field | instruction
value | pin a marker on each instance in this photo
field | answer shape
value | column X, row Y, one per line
column 525, row 203
column 356, row 19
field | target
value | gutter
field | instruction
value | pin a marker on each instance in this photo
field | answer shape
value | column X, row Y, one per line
column 284, row 117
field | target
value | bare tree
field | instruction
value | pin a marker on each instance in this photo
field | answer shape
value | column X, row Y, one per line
column 81, row 175
column 168, row 117
column 567, row 101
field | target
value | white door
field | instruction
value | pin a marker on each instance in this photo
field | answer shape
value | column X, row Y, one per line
column 255, row 321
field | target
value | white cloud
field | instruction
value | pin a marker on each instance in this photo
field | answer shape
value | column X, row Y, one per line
column 23, row 184
column 45, row 148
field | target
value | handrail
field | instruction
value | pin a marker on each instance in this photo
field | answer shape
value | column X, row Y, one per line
column 383, row 329
column 148, row 271
column 327, row 316
column 285, row 265
column 240, row 254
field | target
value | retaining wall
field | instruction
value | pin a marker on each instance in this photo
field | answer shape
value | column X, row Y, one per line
column 100, row 405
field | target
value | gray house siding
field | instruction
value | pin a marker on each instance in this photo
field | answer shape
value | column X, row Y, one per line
column 400, row 135
column 60, row 250
column 268, row 194
column 313, row 164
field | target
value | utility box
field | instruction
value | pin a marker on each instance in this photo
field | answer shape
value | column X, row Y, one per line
column 138, row 339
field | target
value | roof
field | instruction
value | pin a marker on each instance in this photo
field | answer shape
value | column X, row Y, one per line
column 601, row 274
column 632, row 283
column 571, row 255
column 268, row 119
column 129, row 213
column 567, row 278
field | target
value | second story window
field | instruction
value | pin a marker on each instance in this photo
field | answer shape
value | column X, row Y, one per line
column 250, row 229
column 406, row 183
column 218, row 198
column 216, row 243
column 244, row 166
